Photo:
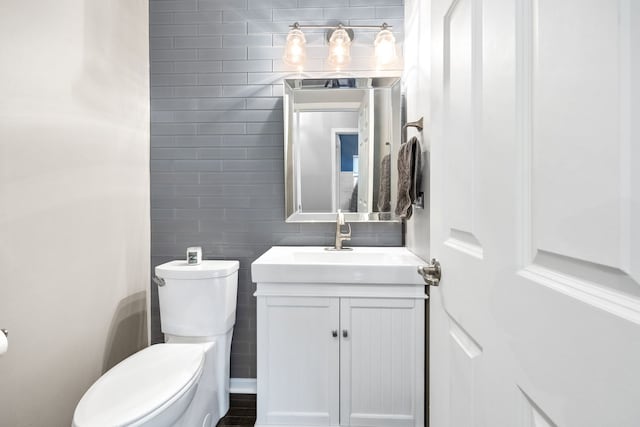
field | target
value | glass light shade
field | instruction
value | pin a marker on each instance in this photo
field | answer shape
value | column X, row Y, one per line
column 295, row 50
column 339, row 48
column 385, row 47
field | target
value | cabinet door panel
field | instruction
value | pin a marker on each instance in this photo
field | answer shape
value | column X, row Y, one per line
column 381, row 376
column 298, row 370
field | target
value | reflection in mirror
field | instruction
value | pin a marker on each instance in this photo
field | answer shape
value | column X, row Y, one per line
column 340, row 136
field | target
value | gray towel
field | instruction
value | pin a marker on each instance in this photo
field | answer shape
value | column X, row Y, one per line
column 384, row 189
column 409, row 176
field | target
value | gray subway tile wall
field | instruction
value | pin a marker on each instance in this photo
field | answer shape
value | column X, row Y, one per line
column 217, row 133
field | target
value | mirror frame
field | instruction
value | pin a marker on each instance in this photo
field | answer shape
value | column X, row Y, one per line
column 292, row 215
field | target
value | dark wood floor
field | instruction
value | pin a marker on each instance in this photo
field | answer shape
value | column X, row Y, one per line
column 242, row 411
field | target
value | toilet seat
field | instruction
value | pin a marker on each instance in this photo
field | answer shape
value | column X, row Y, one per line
column 142, row 386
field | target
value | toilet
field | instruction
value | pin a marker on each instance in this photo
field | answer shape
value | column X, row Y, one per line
column 184, row 382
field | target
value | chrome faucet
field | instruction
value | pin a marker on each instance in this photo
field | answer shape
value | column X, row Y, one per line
column 340, row 236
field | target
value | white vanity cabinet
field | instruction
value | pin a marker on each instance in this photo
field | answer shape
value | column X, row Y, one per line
column 298, row 361
column 339, row 360
column 381, row 359
column 340, row 337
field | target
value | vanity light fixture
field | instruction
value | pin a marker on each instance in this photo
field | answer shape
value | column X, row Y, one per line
column 295, row 51
column 340, row 47
column 339, row 38
column 385, row 45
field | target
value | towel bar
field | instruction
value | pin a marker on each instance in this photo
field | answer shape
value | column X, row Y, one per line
column 418, row 124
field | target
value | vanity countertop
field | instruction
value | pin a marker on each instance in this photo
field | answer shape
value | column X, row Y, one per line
column 315, row 264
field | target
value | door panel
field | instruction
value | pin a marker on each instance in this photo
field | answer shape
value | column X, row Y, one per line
column 577, row 190
column 535, row 213
column 465, row 355
column 580, row 130
column 461, row 92
column 298, row 378
column 380, row 376
column 531, row 415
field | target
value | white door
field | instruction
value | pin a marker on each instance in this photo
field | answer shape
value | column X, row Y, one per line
column 535, row 213
column 380, row 373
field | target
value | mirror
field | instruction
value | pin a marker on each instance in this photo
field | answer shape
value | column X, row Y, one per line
column 341, row 137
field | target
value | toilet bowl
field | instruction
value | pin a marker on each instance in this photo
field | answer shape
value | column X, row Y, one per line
column 155, row 385
column 184, row 382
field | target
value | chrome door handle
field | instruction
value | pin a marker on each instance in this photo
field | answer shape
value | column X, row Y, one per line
column 345, row 334
column 431, row 273
column 334, row 333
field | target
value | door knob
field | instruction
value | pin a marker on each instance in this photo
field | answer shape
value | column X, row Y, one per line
column 345, row 333
column 334, row 333
column 431, row 273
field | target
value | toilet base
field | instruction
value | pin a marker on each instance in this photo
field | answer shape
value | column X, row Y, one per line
column 214, row 383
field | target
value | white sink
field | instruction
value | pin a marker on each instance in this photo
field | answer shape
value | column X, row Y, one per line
column 314, row 264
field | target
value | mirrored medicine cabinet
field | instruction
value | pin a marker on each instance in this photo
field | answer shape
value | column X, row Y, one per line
column 341, row 138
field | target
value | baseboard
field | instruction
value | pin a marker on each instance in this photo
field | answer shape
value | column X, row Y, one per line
column 243, row 385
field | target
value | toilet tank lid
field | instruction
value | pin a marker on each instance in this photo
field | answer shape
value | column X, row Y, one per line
column 207, row 269
column 140, row 385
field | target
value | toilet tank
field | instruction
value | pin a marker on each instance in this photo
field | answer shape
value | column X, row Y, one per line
column 198, row 300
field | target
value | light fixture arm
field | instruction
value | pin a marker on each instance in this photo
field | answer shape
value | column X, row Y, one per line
column 348, row 28
column 384, row 26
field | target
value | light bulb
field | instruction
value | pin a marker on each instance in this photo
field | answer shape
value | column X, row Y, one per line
column 385, row 47
column 339, row 48
column 295, row 51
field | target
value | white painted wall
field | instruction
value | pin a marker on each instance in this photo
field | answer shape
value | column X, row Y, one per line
column 74, row 199
column 417, row 80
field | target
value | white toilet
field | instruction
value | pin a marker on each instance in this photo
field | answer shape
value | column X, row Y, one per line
column 184, row 382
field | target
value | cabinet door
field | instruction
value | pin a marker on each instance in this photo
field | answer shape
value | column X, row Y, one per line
column 381, row 362
column 298, row 361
